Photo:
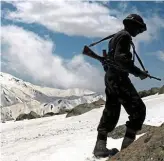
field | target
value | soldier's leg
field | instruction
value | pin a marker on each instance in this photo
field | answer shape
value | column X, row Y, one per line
column 136, row 109
column 110, row 115
column 107, row 123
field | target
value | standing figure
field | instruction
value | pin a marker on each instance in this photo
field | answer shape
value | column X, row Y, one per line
column 119, row 89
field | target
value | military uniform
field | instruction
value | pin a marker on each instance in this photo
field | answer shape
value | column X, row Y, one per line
column 119, row 89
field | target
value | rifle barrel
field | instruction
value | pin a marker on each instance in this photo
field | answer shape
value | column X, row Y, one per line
column 154, row 77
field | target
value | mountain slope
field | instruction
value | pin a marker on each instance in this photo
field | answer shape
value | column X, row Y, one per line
column 71, row 139
column 18, row 96
column 38, row 92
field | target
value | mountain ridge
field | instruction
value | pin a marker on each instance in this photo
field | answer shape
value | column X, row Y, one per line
column 18, row 94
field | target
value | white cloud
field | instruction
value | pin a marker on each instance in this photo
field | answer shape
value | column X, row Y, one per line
column 69, row 17
column 154, row 25
column 160, row 55
column 30, row 55
column 82, row 18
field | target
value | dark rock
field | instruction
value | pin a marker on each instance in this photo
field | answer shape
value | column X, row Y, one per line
column 83, row 108
column 45, row 104
column 31, row 115
column 161, row 90
column 148, row 147
column 63, row 110
column 7, row 99
column 21, row 117
column 119, row 131
column 49, row 114
column 100, row 102
column 154, row 90
column 59, row 101
column 52, row 107
column 149, row 92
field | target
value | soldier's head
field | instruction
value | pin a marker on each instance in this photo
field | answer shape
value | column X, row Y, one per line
column 134, row 24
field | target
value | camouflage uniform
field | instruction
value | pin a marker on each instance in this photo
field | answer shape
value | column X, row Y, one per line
column 119, row 89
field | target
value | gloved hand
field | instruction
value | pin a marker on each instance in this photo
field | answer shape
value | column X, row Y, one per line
column 143, row 75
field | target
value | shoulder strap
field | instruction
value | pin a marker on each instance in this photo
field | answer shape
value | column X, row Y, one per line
column 135, row 54
column 106, row 38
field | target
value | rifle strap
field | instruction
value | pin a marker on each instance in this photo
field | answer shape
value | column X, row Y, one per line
column 106, row 38
column 135, row 54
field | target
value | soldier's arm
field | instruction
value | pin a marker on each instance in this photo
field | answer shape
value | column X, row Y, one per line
column 123, row 56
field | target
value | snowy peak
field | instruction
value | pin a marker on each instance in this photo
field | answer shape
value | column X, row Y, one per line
column 14, row 88
column 11, row 81
column 18, row 96
column 63, row 92
column 8, row 97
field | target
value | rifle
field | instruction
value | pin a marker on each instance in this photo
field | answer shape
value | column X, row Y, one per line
column 87, row 51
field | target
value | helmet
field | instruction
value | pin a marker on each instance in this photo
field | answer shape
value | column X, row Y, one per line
column 137, row 20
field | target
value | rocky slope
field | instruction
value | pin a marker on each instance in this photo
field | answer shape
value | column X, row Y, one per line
column 151, row 91
column 149, row 147
column 161, row 90
column 119, row 131
column 83, row 108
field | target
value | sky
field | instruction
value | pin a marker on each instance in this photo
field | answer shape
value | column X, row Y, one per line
column 42, row 41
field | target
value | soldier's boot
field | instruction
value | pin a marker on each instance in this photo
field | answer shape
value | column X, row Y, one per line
column 100, row 150
column 129, row 138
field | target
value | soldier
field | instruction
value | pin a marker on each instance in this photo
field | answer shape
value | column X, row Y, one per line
column 119, row 89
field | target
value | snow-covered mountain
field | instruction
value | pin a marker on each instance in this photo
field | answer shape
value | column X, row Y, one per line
column 18, row 96
column 58, row 138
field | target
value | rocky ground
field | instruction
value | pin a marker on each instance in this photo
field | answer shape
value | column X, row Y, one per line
column 120, row 131
column 151, row 91
column 149, row 147
column 86, row 107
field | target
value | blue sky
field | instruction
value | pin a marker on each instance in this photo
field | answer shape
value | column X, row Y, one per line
column 42, row 42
